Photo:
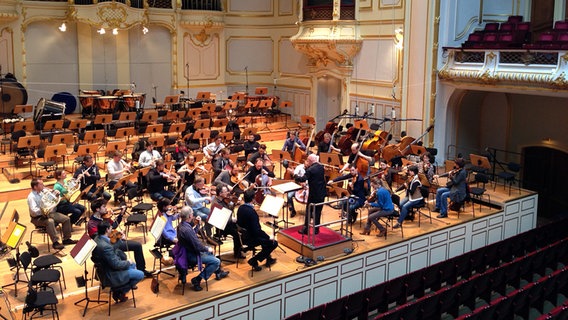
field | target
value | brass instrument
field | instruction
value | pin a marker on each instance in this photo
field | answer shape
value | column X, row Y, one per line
column 49, row 200
column 73, row 187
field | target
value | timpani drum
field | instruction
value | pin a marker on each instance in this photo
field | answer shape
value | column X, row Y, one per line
column 142, row 99
column 105, row 104
column 87, row 102
column 130, row 101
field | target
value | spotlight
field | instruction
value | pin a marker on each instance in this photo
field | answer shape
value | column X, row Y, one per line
column 144, row 30
column 101, row 31
column 63, row 27
column 115, row 31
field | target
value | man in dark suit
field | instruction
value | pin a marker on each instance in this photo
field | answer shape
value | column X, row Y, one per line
column 120, row 273
column 317, row 186
column 247, row 218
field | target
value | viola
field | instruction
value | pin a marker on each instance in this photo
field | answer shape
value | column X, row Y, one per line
column 115, row 235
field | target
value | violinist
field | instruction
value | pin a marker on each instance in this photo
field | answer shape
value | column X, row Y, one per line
column 292, row 143
column 354, row 155
column 88, row 174
column 157, row 182
column 149, row 156
column 251, row 146
column 225, row 200
column 190, row 169
column 413, row 196
column 382, row 206
column 426, row 167
column 100, row 214
column 74, row 210
column 231, row 179
column 221, row 162
column 179, row 154
column 169, row 234
column 326, row 145
column 211, row 150
column 358, row 188
column 197, row 196
column 455, row 190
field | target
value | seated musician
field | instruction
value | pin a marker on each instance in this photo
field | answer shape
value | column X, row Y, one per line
column 149, row 156
column 221, row 162
column 189, row 170
column 382, row 206
column 187, row 239
column 169, row 234
column 247, row 218
column 359, row 189
column 197, row 196
column 292, row 143
column 251, row 145
column 158, row 181
column 353, row 156
column 41, row 218
column 88, row 174
column 211, row 150
column 180, row 153
column 455, row 190
column 426, row 167
column 116, row 169
column 100, row 215
column 74, row 210
column 326, row 145
column 120, row 272
column 260, row 176
column 226, row 200
column 297, row 172
column 261, row 153
column 413, row 195
column 229, row 179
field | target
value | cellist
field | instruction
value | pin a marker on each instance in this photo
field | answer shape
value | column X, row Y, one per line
column 354, row 156
column 326, row 145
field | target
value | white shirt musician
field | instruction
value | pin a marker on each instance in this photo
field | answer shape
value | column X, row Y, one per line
column 48, row 219
column 149, row 156
column 212, row 149
column 116, row 168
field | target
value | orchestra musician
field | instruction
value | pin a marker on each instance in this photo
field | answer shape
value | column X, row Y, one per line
column 225, row 200
column 230, row 178
column 292, row 143
column 251, row 146
column 116, row 168
column 180, row 154
column 74, row 210
column 297, row 172
column 247, row 218
column 187, row 239
column 120, row 272
column 426, row 167
column 158, row 180
column 413, row 195
column 48, row 219
column 197, row 196
column 211, row 150
column 382, row 206
column 455, row 190
column 149, row 156
column 258, row 170
column 353, row 156
column 261, row 153
column 315, row 176
column 100, row 215
column 326, row 145
column 190, row 169
column 358, row 188
column 88, row 174
column 169, row 234
column 221, row 162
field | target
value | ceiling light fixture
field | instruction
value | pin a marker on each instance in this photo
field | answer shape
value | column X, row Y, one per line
column 63, row 27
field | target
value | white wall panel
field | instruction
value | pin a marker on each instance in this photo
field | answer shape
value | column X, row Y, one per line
column 264, row 6
column 254, row 53
column 290, row 60
column 376, row 61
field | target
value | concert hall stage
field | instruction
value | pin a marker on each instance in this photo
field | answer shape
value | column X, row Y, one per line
column 325, row 244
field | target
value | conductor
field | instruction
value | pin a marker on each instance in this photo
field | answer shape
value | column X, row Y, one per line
column 316, row 182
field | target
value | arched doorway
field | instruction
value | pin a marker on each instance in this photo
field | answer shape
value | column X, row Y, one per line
column 545, row 170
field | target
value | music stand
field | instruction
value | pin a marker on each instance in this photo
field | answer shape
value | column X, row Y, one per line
column 94, row 135
column 154, row 128
column 272, row 206
column 177, row 128
column 85, row 149
column 27, row 126
column 280, row 156
column 104, row 119
column 285, row 104
column 283, row 189
column 156, row 230
column 80, row 253
column 210, row 107
column 63, row 138
column 194, row 113
column 205, row 95
column 149, row 116
column 244, row 121
column 53, row 125
column 202, row 124
column 23, row 108
column 261, row 90
column 78, row 124
column 219, row 218
column 331, row 159
column 263, row 108
column 56, row 151
column 127, row 116
column 158, row 141
column 125, row 133
column 221, row 123
column 249, row 131
column 251, row 104
column 227, row 137
column 115, row 146
column 479, row 161
column 12, row 238
column 30, row 143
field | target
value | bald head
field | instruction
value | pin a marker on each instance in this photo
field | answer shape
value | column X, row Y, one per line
column 312, row 158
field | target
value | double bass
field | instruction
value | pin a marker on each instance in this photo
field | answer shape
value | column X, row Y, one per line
column 403, row 148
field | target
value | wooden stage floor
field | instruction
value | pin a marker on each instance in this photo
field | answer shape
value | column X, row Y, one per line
column 169, row 297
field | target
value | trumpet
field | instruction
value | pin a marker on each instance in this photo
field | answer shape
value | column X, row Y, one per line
column 49, row 200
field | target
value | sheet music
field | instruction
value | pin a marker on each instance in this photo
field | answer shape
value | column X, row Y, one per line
column 272, row 205
column 286, row 187
column 83, row 249
column 219, row 217
column 158, row 227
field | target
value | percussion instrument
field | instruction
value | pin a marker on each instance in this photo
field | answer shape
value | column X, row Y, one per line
column 87, row 101
column 105, row 104
column 66, row 98
column 48, row 110
column 132, row 101
column 13, row 93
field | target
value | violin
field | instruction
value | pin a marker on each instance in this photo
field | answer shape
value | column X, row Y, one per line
column 115, row 235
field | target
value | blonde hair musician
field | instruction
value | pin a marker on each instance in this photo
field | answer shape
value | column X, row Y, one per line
column 65, row 206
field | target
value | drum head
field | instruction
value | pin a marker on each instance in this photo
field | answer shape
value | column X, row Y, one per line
column 13, row 93
column 68, row 99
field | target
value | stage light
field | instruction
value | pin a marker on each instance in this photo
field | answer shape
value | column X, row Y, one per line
column 63, row 27
column 101, row 31
column 115, row 31
column 144, row 30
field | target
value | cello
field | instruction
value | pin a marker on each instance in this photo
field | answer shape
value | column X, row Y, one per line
column 403, row 148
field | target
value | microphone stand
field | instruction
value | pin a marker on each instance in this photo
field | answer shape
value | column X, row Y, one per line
column 187, row 78
column 247, row 80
